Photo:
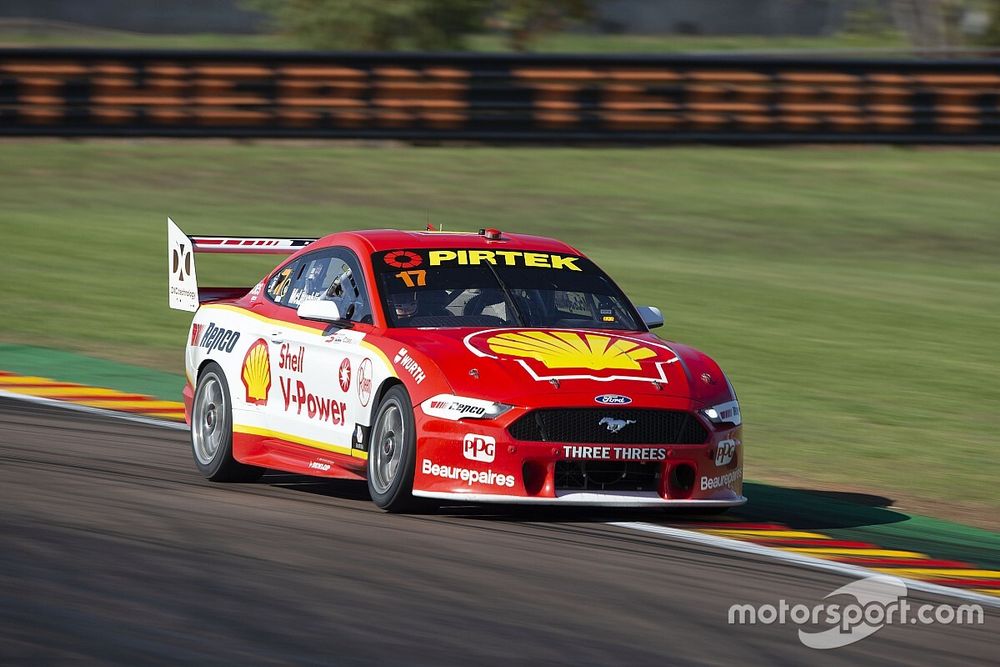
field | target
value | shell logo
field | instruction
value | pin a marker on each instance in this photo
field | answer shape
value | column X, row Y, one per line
column 256, row 373
column 573, row 354
column 568, row 349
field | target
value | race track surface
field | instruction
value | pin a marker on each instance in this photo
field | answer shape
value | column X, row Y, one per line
column 115, row 550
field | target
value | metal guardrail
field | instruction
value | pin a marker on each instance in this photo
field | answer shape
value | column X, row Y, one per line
column 501, row 98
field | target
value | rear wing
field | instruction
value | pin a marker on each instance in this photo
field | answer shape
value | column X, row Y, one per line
column 182, row 289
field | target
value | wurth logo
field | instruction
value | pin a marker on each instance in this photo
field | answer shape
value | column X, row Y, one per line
column 410, row 365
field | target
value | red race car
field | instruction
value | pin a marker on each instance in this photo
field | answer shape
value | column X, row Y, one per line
column 487, row 367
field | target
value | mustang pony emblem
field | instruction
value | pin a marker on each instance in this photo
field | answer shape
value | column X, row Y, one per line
column 615, row 425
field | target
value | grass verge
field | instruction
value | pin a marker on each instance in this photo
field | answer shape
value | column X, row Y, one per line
column 853, row 295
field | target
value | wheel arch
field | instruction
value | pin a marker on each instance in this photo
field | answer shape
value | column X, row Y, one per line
column 386, row 385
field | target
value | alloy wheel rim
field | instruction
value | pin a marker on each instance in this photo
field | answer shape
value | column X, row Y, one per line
column 386, row 451
column 208, row 420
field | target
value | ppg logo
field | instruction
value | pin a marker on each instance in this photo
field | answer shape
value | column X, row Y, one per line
column 724, row 453
column 479, row 447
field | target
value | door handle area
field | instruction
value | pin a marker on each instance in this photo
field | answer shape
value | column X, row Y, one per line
column 277, row 336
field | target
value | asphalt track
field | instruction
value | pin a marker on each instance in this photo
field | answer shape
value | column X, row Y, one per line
column 114, row 550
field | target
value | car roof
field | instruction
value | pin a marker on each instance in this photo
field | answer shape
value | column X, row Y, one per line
column 394, row 239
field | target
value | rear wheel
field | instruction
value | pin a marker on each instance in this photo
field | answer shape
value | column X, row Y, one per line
column 392, row 453
column 212, row 430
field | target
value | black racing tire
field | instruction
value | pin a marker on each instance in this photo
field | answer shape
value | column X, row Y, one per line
column 212, row 430
column 392, row 453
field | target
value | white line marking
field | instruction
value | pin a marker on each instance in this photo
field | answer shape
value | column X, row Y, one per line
column 800, row 559
column 140, row 419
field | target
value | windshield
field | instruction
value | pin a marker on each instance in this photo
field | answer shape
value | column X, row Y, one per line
column 487, row 288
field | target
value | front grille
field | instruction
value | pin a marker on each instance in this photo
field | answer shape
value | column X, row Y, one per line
column 606, row 476
column 597, row 426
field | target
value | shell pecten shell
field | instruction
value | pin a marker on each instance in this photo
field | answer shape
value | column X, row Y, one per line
column 256, row 372
column 570, row 349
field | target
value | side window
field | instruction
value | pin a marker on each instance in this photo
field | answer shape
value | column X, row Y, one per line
column 333, row 274
column 277, row 287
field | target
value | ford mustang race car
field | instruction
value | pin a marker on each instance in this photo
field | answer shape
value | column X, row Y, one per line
column 484, row 367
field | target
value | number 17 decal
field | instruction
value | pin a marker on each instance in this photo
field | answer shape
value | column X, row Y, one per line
column 416, row 278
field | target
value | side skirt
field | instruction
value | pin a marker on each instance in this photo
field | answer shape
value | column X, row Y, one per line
column 269, row 452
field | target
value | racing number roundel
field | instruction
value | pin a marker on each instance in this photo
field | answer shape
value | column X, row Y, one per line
column 403, row 259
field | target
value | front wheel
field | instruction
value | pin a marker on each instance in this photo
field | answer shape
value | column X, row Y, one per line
column 212, row 430
column 392, row 453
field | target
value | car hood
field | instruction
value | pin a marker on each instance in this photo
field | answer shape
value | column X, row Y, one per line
column 567, row 366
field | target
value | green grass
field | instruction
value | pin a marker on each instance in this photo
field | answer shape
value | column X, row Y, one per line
column 59, row 35
column 853, row 295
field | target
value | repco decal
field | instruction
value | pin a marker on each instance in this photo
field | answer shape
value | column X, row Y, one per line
column 540, row 260
column 214, row 338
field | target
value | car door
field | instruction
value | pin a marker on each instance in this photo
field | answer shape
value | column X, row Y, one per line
column 317, row 373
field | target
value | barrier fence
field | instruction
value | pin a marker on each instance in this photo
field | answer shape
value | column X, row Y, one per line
column 497, row 97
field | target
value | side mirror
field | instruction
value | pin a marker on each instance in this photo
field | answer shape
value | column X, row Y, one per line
column 319, row 309
column 651, row 316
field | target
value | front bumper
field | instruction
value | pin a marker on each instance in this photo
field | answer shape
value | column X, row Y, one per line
column 479, row 461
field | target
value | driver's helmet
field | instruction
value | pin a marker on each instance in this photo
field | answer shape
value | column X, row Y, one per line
column 404, row 304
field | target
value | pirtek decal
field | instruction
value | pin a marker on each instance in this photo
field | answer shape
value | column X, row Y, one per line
column 541, row 260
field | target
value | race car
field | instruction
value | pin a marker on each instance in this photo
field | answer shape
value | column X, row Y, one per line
column 484, row 367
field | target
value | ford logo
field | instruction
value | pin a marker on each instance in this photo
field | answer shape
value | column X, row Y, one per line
column 612, row 399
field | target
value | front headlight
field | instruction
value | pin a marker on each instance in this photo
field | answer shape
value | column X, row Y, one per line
column 724, row 413
column 447, row 406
